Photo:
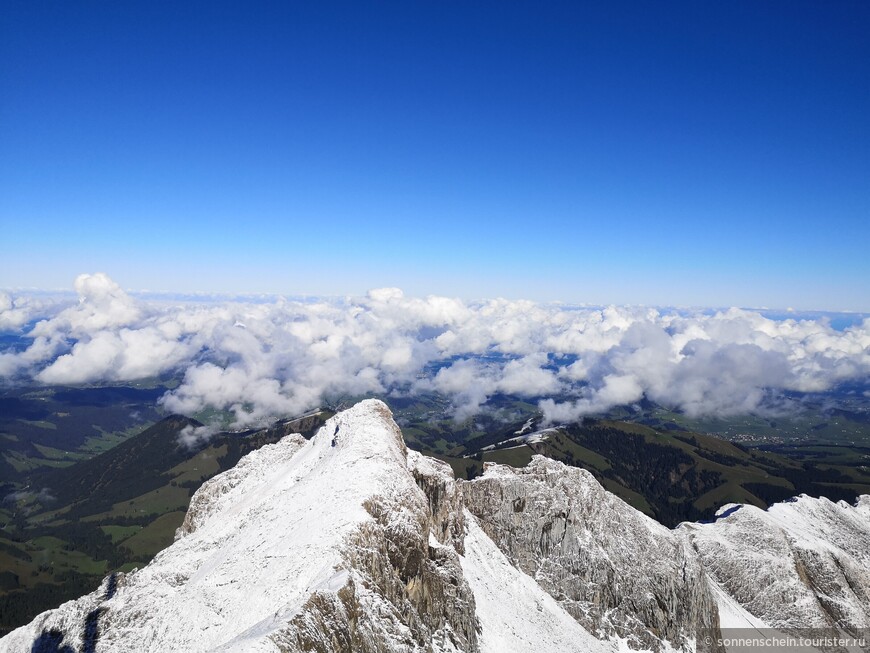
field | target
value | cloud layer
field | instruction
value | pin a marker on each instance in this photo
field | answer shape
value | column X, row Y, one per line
column 263, row 360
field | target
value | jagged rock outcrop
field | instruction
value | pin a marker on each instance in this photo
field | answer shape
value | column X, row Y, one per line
column 436, row 480
column 803, row 563
column 326, row 545
column 616, row 571
column 516, row 614
column 351, row 543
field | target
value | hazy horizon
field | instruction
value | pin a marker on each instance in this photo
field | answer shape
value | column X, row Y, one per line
column 775, row 312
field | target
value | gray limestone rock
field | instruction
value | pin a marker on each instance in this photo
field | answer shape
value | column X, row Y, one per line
column 616, row 571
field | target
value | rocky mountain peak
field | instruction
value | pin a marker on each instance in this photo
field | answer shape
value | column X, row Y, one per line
column 349, row 542
column 619, row 573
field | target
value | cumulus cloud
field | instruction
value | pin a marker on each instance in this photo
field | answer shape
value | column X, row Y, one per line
column 14, row 312
column 102, row 305
column 266, row 360
column 191, row 437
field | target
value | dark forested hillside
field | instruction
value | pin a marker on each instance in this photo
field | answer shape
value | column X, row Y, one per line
column 677, row 476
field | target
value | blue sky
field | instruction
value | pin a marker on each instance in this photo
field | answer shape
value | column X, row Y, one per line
column 681, row 153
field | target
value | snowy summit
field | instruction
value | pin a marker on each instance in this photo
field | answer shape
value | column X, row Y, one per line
column 350, row 542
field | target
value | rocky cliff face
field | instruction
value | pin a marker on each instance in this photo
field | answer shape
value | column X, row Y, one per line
column 804, row 563
column 349, row 542
column 616, row 571
column 321, row 545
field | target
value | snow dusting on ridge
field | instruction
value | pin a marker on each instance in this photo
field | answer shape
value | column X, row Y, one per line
column 350, row 543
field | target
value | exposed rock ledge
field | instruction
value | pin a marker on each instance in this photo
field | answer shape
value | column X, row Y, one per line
column 349, row 542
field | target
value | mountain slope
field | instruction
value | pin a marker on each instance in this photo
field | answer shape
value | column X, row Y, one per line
column 263, row 555
column 616, row 571
column 320, row 545
column 111, row 512
column 349, row 542
column 506, row 598
column 677, row 476
column 804, row 563
column 130, row 469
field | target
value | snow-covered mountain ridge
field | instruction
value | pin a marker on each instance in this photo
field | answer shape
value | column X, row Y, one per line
column 350, row 542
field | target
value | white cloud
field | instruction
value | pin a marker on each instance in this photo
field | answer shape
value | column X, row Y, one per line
column 102, row 305
column 269, row 359
column 192, row 437
column 13, row 313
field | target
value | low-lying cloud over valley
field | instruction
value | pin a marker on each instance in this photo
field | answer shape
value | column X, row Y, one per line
column 264, row 360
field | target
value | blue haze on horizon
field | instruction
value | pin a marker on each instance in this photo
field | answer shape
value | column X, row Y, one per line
column 681, row 154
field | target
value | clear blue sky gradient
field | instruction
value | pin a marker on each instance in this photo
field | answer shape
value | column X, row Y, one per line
column 682, row 153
